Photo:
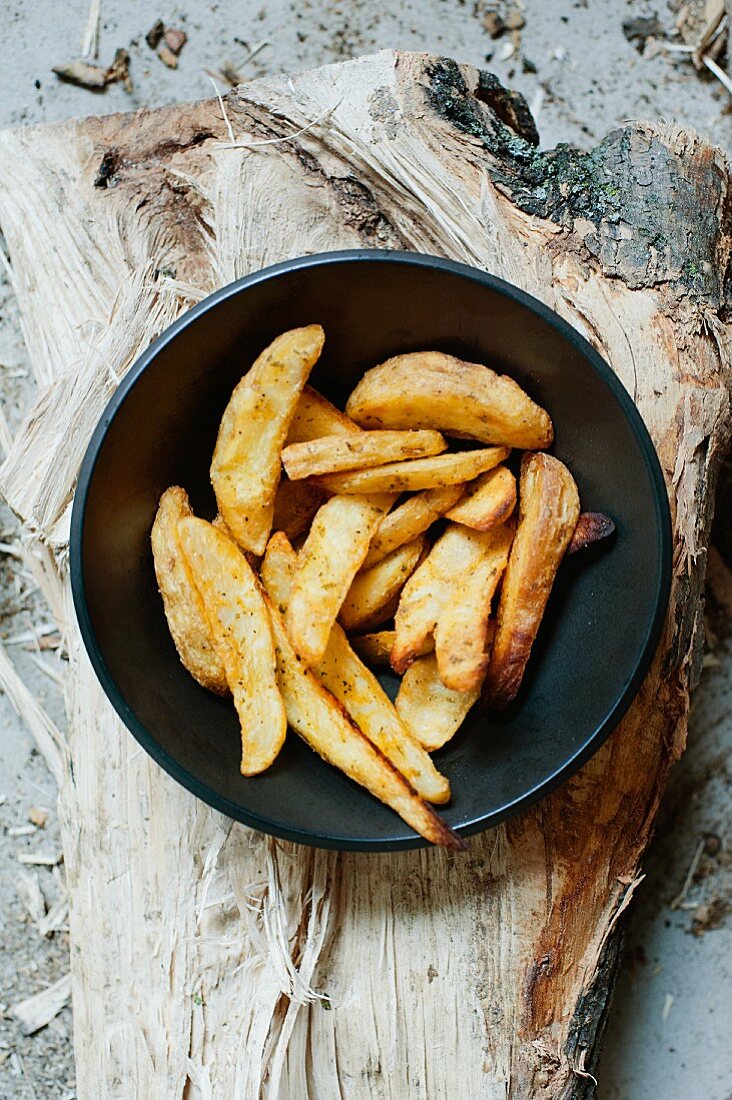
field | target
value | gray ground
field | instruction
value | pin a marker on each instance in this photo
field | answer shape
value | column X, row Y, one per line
column 669, row 1032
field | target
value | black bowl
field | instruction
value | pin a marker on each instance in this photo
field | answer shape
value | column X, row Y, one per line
column 605, row 614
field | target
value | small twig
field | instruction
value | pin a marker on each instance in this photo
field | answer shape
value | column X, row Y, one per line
column 718, row 72
column 90, row 41
column 678, row 900
column 254, row 51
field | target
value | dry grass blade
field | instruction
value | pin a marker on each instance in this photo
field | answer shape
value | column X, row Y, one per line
column 439, row 391
column 488, row 501
column 419, row 473
column 245, row 469
column 373, row 596
column 433, row 712
column 239, row 623
column 184, row 609
column 323, row 724
column 330, row 454
column 331, row 556
column 345, row 675
column 548, row 514
column 50, row 743
column 410, row 520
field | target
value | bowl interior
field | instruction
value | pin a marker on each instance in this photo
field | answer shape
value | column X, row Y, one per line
column 604, row 614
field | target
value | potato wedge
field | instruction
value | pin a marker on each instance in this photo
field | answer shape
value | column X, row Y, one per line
column 330, row 558
column 373, row 596
column 245, row 469
column 410, row 520
column 488, row 501
column 591, row 528
column 330, row 454
column 184, row 608
column 432, row 712
column 322, row 722
column 315, row 417
column 439, row 391
column 420, row 473
column 240, row 624
column 296, row 504
column 548, row 514
column 450, row 593
column 346, row 676
column 376, row 648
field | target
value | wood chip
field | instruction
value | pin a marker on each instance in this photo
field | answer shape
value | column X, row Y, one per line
column 56, row 918
column 175, row 39
column 38, row 1011
column 82, row 74
column 167, row 57
column 38, row 816
column 28, row 889
column 155, row 33
column 21, row 830
column 38, row 859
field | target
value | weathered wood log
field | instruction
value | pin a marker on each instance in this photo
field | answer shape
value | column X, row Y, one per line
column 198, row 947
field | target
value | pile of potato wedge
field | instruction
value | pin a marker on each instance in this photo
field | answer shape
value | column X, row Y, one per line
column 346, row 540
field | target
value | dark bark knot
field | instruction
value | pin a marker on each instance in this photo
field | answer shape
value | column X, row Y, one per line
column 656, row 216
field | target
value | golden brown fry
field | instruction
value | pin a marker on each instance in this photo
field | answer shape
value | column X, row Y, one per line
column 345, row 675
column 433, row 712
column 295, row 506
column 372, row 597
column 376, row 648
column 245, row 468
column 329, row 560
column 591, row 528
column 315, row 417
column 410, row 520
column 240, row 624
column 436, row 390
column 450, row 593
column 322, row 722
column 548, row 514
column 419, row 473
column 488, row 501
column 330, row 454
column 183, row 606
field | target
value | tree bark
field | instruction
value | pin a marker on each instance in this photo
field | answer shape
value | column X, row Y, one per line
column 197, row 945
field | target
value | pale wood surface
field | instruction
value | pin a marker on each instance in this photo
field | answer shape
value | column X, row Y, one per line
column 196, row 944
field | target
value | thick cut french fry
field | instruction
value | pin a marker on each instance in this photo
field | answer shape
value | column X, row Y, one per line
column 315, row 417
column 450, row 593
column 410, row 520
column 332, row 453
column 322, row 722
column 548, row 514
column 591, row 528
column 433, row 712
column 419, row 473
column 373, row 596
column 345, row 675
column 435, row 390
column 376, row 648
column 296, row 504
column 184, row 608
column 333, row 553
column 245, row 468
column 488, row 501
column 239, row 621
